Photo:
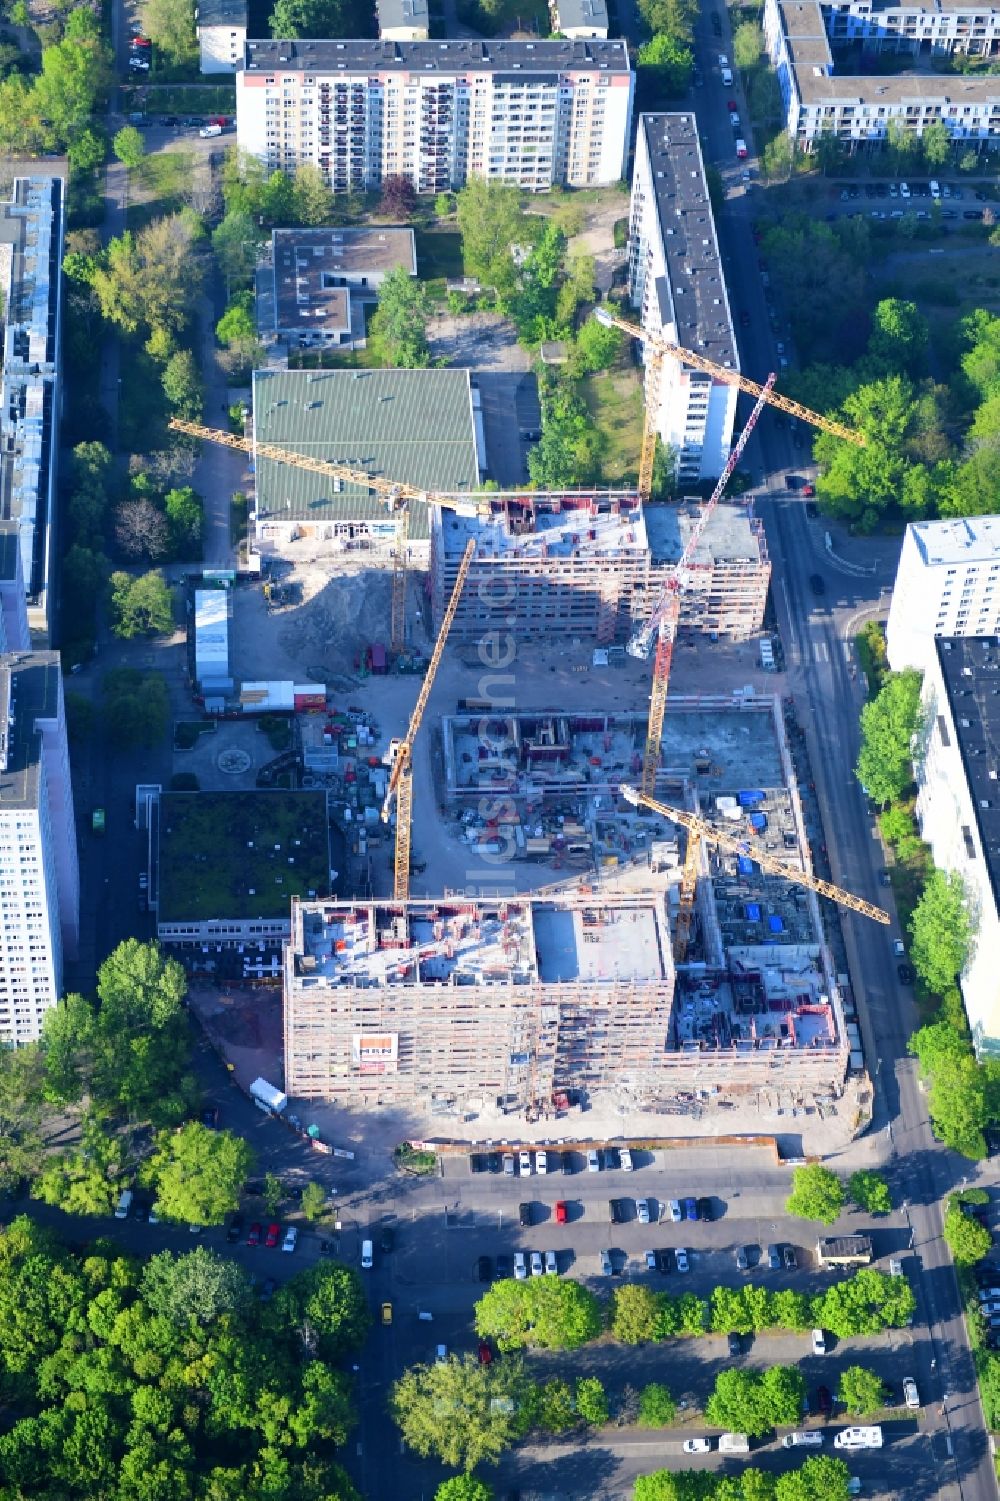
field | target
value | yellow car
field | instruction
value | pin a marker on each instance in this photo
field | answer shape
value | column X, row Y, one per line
column 386, row 1313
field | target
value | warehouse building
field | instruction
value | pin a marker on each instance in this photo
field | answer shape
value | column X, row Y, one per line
column 675, row 281
column 537, row 113
column 958, row 805
column 419, row 426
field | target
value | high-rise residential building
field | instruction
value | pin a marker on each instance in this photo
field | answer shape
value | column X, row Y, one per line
column 222, row 32
column 39, row 874
column 675, row 281
column 947, row 584
column 958, row 805
column 31, row 251
column 856, row 109
column 539, row 114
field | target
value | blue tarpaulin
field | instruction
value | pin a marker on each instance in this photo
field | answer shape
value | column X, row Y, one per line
column 775, row 925
column 749, row 797
column 744, row 865
column 753, row 912
column 758, row 821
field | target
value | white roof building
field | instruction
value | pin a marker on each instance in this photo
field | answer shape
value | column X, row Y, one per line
column 947, row 584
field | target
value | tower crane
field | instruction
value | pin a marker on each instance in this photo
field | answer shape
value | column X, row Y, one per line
column 400, row 778
column 397, row 495
column 739, row 846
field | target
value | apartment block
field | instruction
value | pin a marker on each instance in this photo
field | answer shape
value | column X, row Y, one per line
column 856, row 108
column 476, row 1004
column 539, row 114
column 39, row 873
column 675, row 281
column 947, row 584
column 728, row 574
column 958, row 805
column 31, row 251
column 221, row 26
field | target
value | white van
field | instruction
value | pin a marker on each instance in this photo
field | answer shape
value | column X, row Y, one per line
column 124, row 1205
column 727, row 77
column 210, row 130
column 366, row 1255
column 858, row 1438
column 626, row 1160
column 734, row 1443
column 807, row 1438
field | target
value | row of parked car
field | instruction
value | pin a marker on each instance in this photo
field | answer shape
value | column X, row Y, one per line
column 545, row 1160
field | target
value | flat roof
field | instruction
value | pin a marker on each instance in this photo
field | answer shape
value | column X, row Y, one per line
column 311, row 265
column 402, row 13
column 730, row 535
column 414, row 426
column 696, row 299
column 211, row 633
column 240, row 855
column 970, row 671
column 573, row 13
column 973, row 539
column 29, row 691
column 570, row 525
column 864, row 8
column 361, row 56
column 220, row 13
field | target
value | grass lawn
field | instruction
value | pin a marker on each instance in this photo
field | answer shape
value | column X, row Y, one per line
column 945, row 287
column 351, row 359
column 439, row 253
column 182, row 99
column 614, row 402
column 167, row 178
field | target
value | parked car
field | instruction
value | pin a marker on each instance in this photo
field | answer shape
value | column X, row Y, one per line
column 386, row 1313
column 291, row 1239
column 676, row 1213
column 607, row 1270
column 735, row 1344
column 817, row 584
column 697, row 1446
column 524, row 1213
column 818, row 1342
column 541, row 1163
column 508, row 1165
column 273, row 1235
column 899, row 948
column 485, row 1353
column 537, row 1267
column 561, row 1212
column 253, row 1239
column 524, row 1163
column 387, row 1239
column 705, row 1211
column 551, row 1264
column 503, row 1267
column 789, row 1258
column 824, row 1400
column 520, row 1266
column 664, row 1261
column 626, row 1160
column 367, row 1255
column 910, row 1394
column 774, row 1258
column 593, row 1161
column 690, row 1209
column 484, row 1269
column 742, row 1259
column 477, row 1162
column 642, row 1211
column 681, row 1258
column 616, row 1211
column 905, row 974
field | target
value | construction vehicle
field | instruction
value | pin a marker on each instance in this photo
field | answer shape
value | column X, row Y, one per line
column 739, row 845
column 397, row 496
column 401, row 776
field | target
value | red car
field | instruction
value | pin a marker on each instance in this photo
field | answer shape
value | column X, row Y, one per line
column 253, row 1239
column 485, row 1353
column 731, row 104
column 219, row 120
column 273, row 1235
column 561, row 1215
column 808, row 490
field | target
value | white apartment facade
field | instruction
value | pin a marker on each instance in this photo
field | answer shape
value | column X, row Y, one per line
column 39, row 874
column 676, row 283
column 539, row 114
column 221, row 26
column 947, row 584
column 857, row 109
column 958, row 806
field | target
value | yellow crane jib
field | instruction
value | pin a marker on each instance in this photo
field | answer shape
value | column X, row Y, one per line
column 742, row 846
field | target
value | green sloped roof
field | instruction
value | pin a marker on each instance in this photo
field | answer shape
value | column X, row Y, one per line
column 410, row 425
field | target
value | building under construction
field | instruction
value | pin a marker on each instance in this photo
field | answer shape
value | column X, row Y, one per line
column 452, row 1004
column 553, row 564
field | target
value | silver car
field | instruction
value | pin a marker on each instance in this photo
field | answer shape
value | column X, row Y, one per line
column 537, row 1269
column 642, row 1211
column 676, row 1213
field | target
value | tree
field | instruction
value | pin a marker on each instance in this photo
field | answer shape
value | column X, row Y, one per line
column 199, row 1286
column 957, row 1095
column 150, row 279
column 136, row 707
column 238, row 321
column 822, row 1478
column 458, row 1410
column 544, row 1312
column 902, row 145
column 864, row 1304
column 87, row 151
column 940, row 929
column 129, row 146
column 634, row 1310
column 236, row 242
column 141, row 606
column 186, row 519
column 490, row 220
column 463, row 1488
column 87, row 1180
column 314, row 1201
column 862, row 483
column 198, row 1174
column 170, row 25
column 398, row 197
column 142, row 531
column 577, row 287
column 657, row 1408
column 273, row 1192
column 182, row 385
column 899, row 338
column 870, row 1191
column 398, row 328
column 861, row 1391
column 669, row 60
column 308, row 18
column 935, row 142
column 967, row 1240
column 592, row 1401
column 889, row 723
column 597, row 347
column 556, row 1408
column 312, row 197
column 817, row 1194
column 741, row 1403
column 748, row 44
column 75, row 76
column 22, row 1089
column 327, row 1305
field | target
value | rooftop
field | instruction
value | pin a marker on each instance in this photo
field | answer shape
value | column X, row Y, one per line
column 240, row 855
column 446, row 58
column 550, row 525
column 574, row 13
column 974, row 539
column 29, row 691
column 311, row 266
column 409, row 425
column 392, row 13
column 970, row 671
column 221, row 12
column 694, row 299
column 729, row 536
